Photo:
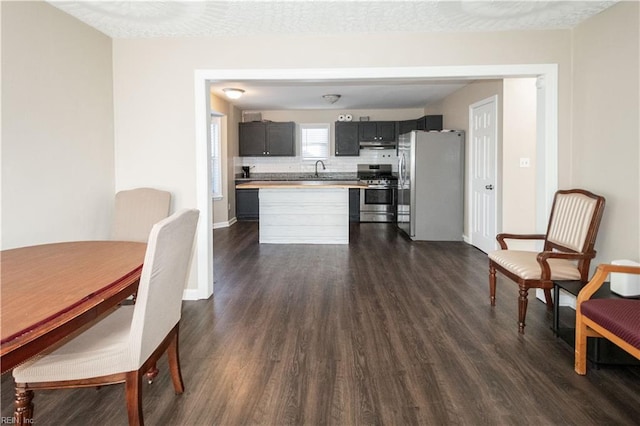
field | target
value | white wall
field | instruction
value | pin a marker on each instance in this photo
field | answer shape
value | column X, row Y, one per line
column 519, row 141
column 605, row 153
column 57, row 127
column 161, row 122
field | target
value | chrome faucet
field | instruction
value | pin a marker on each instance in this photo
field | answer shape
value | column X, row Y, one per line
column 323, row 167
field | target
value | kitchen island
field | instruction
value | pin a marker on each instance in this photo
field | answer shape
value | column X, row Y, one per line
column 303, row 212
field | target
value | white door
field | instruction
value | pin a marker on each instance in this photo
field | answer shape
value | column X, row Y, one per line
column 483, row 199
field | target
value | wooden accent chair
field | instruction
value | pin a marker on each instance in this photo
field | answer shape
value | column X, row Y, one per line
column 136, row 211
column 567, row 252
column 121, row 347
column 617, row 320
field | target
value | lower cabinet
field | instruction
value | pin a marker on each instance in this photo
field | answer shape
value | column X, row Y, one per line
column 354, row 205
column 247, row 204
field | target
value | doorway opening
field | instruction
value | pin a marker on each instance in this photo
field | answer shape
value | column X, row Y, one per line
column 546, row 139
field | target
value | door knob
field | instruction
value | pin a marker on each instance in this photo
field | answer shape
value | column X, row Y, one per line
column 488, row 186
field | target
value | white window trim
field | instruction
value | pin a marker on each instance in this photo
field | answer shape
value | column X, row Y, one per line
column 215, row 129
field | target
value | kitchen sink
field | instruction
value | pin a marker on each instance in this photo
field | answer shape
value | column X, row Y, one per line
column 321, row 176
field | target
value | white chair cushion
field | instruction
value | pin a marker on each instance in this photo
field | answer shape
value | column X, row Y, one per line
column 524, row 265
column 101, row 350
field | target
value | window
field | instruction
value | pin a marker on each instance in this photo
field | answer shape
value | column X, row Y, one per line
column 314, row 141
column 216, row 168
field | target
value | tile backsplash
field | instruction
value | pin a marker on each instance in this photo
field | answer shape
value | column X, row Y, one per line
column 333, row 164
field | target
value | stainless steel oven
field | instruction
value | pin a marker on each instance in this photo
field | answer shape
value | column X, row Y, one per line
column 378, row 201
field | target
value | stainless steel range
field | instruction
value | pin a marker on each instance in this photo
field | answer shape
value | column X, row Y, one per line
column 378, row 201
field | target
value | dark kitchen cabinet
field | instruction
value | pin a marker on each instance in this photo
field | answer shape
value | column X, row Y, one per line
column 347, row 143
column 267, row 139
column 247, row 204
column 281, row 139
column 429, row 122
column 354, row 205
column 252, row 138
column 407, row 126
column 375, row 131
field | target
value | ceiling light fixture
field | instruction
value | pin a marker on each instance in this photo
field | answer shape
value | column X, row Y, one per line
column 332, row 99
column 233, row 93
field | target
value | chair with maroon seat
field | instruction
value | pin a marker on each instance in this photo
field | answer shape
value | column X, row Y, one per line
column 567, row 251
column 617, row 320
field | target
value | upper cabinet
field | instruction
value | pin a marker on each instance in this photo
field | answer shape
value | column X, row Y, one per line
column 260, row 139
column 429, row 122
column 347, row 143
column 376, row 131
column 407, row 126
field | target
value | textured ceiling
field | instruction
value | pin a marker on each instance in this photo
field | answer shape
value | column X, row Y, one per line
column 146, row 19
column 270, row 95
column 133, row 19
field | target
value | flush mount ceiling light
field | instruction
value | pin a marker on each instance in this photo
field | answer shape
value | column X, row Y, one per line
column 233, row 93
column 332, row 99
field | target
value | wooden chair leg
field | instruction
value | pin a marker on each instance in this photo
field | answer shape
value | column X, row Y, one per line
column 133, row 394
column 174, row 364
column 492, row 284
column 522, row 308
column 548, row 299
column 23, row 406
column 151, row 373
column 580, row 363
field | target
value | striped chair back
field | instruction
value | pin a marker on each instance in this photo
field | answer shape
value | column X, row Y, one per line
column 574, row 220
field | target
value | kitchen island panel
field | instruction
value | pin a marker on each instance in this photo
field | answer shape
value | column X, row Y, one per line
column 304, row 216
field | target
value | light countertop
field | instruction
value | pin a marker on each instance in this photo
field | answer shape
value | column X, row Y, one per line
column 302, row 184
column 333, row 176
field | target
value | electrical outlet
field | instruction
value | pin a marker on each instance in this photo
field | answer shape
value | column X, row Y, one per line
column 524, row 162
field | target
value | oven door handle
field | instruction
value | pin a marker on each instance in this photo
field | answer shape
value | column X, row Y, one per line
column 379, row 187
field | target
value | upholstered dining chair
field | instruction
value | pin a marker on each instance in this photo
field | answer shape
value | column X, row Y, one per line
column 121, row 347
column 136, row 211
column 566, row 254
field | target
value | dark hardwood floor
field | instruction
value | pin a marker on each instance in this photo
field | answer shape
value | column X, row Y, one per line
column 382, row 331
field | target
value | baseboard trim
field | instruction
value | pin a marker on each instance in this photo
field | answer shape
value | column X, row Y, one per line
column 193, row 294
column 226, row 224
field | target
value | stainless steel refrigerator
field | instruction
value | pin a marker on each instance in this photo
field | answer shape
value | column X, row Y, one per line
column 431, row 185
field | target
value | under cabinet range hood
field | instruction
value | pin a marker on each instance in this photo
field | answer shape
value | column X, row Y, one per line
column 377, row 144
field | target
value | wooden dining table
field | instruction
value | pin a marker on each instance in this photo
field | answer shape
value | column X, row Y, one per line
column 50, row 291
